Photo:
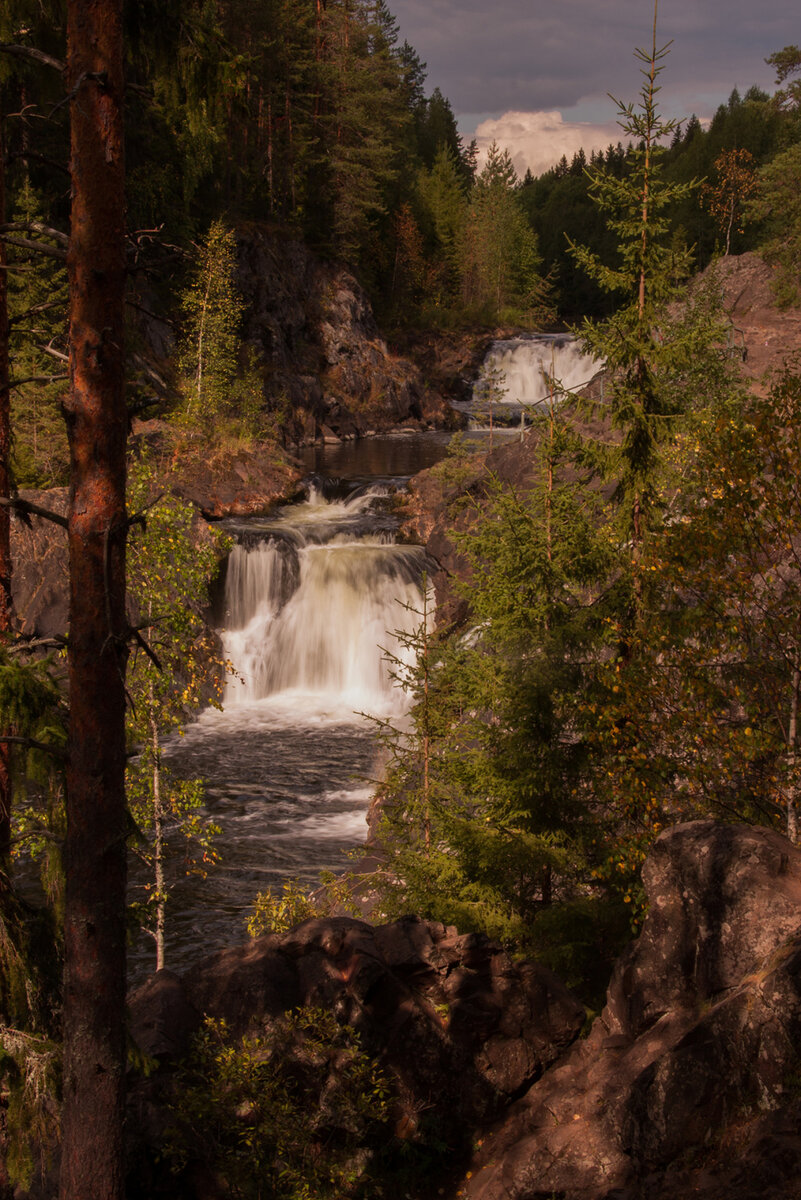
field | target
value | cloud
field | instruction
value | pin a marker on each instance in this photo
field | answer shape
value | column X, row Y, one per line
column 537, row 140
column 534, row 55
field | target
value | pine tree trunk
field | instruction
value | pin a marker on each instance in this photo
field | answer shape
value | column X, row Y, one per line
column 95, row 857
column 5, row 531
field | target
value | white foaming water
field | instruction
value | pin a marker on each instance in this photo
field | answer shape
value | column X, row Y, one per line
column 530, row 369
column 314, row 613
column 312, row 595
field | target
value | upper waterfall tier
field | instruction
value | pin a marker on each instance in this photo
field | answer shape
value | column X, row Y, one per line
column 525, row 372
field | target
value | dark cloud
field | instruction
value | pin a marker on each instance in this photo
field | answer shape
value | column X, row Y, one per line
column 533, row 55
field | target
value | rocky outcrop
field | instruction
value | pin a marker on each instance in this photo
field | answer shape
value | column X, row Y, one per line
column 312, row 323
column 39, row 554
column 765, row 332
column 435, row 504
column 701, row 1031
column 457, row 1025
column 219, row 480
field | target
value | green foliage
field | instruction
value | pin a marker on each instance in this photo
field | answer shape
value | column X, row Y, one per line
column 486, row 817
column 716, row 693
column 37, row 303
column 175, row 670
column 294, row 1112
column 646, row 277
column 498, row 258
column 778, row 207
column 279, row 913
column 212, row 311
column 32, row 701
column 30, row 1069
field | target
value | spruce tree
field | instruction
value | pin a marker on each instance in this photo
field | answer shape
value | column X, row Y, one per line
column 498, row 257
column 641, row 360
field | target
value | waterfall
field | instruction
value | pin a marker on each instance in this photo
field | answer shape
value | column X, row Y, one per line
column 318, row 608
column 525, row 371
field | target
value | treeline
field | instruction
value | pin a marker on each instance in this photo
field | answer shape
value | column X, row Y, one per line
column 314, row 116
column 738, row 163
column 301, row 112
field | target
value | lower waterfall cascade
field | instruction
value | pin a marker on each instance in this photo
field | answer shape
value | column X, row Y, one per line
column 319, row 600
column 315, row 609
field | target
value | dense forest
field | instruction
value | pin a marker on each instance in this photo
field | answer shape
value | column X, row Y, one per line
column 626, row 654
column 314, row 120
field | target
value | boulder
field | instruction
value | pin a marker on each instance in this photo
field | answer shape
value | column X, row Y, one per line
column 458, row 1025
column 40, row 562
column 702, row 1029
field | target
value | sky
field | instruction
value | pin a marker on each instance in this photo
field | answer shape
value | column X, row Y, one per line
column 534, row 74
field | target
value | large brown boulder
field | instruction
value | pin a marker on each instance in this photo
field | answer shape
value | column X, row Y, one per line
column 702, row 1029
column 457, row 1025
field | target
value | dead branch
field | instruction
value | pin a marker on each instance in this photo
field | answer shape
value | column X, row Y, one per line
column 35, row 227
column 16, row 383
column 34, row 156
column 51, row 350
column 33, row 55
column 37, row 247
column 26, row 645
column 35, row 308
column 25, row 509
column 140, row 308
column 32, row 744
column 151, row 654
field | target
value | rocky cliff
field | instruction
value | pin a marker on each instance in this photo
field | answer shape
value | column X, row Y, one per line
column 311, row 322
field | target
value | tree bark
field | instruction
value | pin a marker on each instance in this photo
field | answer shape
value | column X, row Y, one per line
column 5, row 530
column 95, row 867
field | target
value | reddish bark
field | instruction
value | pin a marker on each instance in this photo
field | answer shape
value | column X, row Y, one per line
column 94, row 986
column 5, row 527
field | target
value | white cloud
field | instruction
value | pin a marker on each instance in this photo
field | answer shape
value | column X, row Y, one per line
column 537, row 140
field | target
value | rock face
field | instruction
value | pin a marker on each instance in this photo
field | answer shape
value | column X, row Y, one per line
column 312, row 322
column 459, row 1026
column 767, row 332
column 39, row 554
column 702, row 1029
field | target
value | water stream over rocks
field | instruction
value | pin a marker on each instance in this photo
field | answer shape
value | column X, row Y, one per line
column 314, row 595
